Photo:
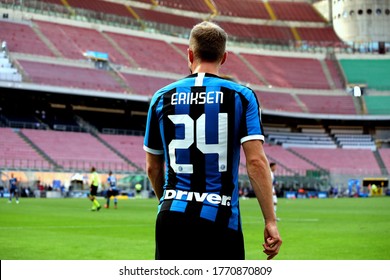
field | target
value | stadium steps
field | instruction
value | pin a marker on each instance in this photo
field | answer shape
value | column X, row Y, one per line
column 84, row 125
column 308, row 160
column 360, row 106
column 333, row 137
column 253, row 69
column 339, row 69
column 39, row 150
column 178, row 50
column 270, row 11
column 19, row 68
column 300, row 103
column 328, row 76
column 105, row 143
column 211, row 5
column 119, row 78
column 381, row 163
column 46, row 41
column 120, row 50
column 271, row 159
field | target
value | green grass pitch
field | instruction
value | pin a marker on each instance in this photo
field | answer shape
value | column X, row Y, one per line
column 312, row 229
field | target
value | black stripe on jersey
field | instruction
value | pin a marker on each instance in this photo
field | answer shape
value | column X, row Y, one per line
column 243, row 123
column 153, row 132
column 258, row 106
column 228, row 106
column 198, row 177
column 169, row 134
column 245, row 103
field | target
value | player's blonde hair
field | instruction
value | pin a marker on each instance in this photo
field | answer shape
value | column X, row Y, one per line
column 208, row 41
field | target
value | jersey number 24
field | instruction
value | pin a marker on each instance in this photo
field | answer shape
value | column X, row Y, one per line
column 190, row 126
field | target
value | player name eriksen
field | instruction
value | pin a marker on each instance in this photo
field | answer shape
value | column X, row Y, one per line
column 212, row 198
column 183, row 98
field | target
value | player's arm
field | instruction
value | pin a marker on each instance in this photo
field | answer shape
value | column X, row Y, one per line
column 260, row 177
column 155, row 172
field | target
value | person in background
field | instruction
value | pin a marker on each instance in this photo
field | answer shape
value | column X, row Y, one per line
column 195, row 128
column 13, row 189
column 112, row 191
column 4, row 46
column 138, row 189
column 95, row 183
column 272, row 166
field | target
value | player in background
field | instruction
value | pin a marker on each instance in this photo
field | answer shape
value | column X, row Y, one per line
column 95, row 183
column 194, row 131
column 13, row 189
column 112, row 191
column 272, row 166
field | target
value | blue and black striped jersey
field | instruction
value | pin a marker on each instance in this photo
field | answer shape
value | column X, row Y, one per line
column 111, row 180
column 12, row 182
column 198, row 123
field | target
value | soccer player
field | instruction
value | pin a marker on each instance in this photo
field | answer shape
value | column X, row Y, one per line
column 112, row 191
column 95, row 182
column 272, row 166
column 13, row 189
column 138, row 189
column 195, row 127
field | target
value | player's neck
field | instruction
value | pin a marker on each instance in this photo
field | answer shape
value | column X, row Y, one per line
column 206, row 67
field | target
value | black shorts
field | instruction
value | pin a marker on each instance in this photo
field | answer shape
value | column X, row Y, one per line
column 14, row 190
column 93, row 190
column 112, row 193
column 179, row 237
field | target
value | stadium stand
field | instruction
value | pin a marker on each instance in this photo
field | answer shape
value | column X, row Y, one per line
column 52, row 53
column 70, row 76
column 138, row 55
column 375, row 74
column 21, row 38
column 278, row 101
column 103, row 7
column 251, row 9
column 297, row 11
column 76, row 150
column 176, row 17
column 17, row 153
column 287, row 159
column 334, row 72
column 239, row 69
column 186, row 5
column 72, row 42
column 145, row 85
column 321, row 104
column 377, row 105
column 114, row 121
column 20, row 118
column 320, row 36
column 353, row 141
column 289, row 72
column 7, row 71
column 128, row 145
column 385, row 155
column 61, row 119
column 165, row 20
column 151, row 57
column 300, row 139
column 342, row 161
column 265, row 33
